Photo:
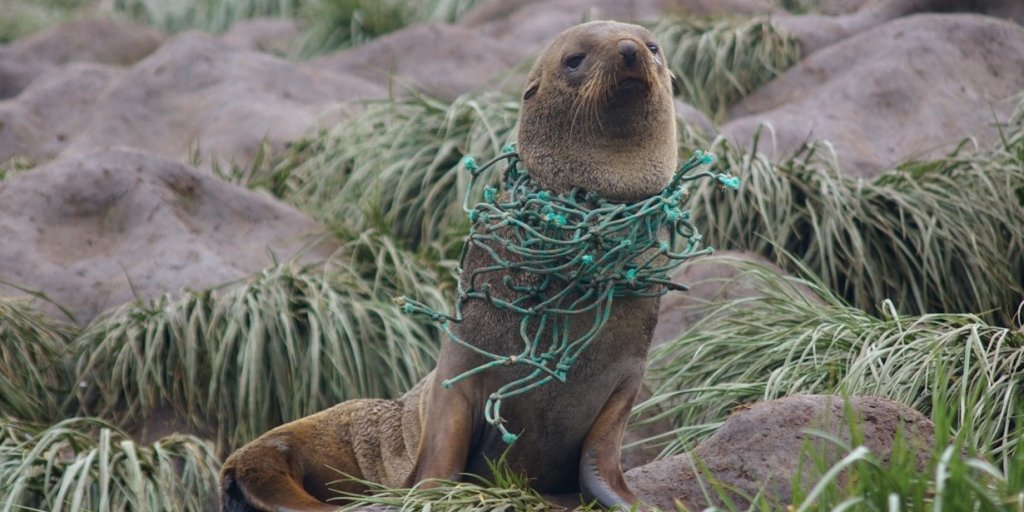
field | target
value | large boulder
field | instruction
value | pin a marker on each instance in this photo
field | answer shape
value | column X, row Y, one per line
column 197, row 92
column 529, row 25
column 441, row 60
column 99, row 41
column 40, row 122
column 97, row 231
column 839, row 19
column 195, row 95
column 765, row 448
column 912, row 88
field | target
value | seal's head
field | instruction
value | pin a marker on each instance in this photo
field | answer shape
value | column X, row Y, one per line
column 598, row 114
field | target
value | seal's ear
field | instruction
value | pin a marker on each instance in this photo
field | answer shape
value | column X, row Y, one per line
column 531, row 89
column 675, row 84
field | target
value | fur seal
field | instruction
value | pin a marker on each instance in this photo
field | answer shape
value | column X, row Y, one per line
column 597, row 115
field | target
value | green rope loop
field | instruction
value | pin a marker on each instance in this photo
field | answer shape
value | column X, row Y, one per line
column 587, row 250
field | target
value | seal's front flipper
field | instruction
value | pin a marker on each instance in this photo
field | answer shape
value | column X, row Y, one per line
column 447, row 433
column 601, row 476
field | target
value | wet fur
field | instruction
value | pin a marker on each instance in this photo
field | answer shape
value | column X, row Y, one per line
column 577, row 129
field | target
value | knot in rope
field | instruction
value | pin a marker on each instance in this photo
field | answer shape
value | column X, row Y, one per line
column 588, row 252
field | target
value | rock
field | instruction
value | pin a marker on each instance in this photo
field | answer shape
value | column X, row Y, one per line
column 1011, row 10
column 100, row 41
column 763, row 448
column 197, row 92
column 712, row 280
column 528, row 25
column 442, row 60
column 40, row 122
column 911, row 88
column 96, row 40
column 843, row 18
column 16, row 74
column 96, row 231
column 816, row 31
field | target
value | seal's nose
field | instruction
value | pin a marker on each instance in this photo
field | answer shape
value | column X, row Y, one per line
column 628, row 49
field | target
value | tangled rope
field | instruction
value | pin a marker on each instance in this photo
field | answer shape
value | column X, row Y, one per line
column 588, row 252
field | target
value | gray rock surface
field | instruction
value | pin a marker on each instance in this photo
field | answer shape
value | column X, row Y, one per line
column 442, row 60
column 836, row 20
column 57, row 107
column 196, row 91
column 528, row 25
column 194, row 94
column 911, row 88
column 96, row 231
column 99, row 41
column 761, row 449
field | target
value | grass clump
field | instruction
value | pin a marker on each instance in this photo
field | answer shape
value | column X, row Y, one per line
column 395, row 166
column 505, row 491
column 446, row 11
column 332, row 25
column 326, row 25
column 286, row 343
column 719, row 61
column 22, row 17
column 207, row 15
column 34, row 374
column 84, row 464
column 785, row 343
column 938, row 236
column 336, row 24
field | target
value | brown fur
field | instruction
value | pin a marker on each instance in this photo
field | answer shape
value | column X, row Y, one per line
column 607, row 126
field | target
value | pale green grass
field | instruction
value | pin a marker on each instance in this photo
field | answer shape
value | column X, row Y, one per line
column 784, row 343
column 208, row 15
column 332, row 25
column 507, row 491
column 937, row 236
column 326, row 25
column 718, row 61
column 83, row 464
column 395, row 166
column 35, row 376
column 19, row 18
column 287, row 342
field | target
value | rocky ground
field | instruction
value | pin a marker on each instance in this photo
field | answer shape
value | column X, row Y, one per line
column 122, row 125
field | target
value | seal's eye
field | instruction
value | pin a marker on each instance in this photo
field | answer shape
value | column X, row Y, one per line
column 574, row 61
column 653, row 48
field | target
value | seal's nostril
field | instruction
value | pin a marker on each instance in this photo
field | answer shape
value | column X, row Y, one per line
column 628, row 49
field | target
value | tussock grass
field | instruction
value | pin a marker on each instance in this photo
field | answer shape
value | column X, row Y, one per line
column 286, row 343
column 34, row 374
column 336, row 24
column 441, row 10
column 506, row 491
column 719, row 61
column 84, row 464
column 395, row 166
column 19, row 18
column 783, row 343
column 937, row 236
column 327, row 25
column 208, row 15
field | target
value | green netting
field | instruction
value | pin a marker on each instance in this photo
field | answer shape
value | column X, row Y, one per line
column 588, row 251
